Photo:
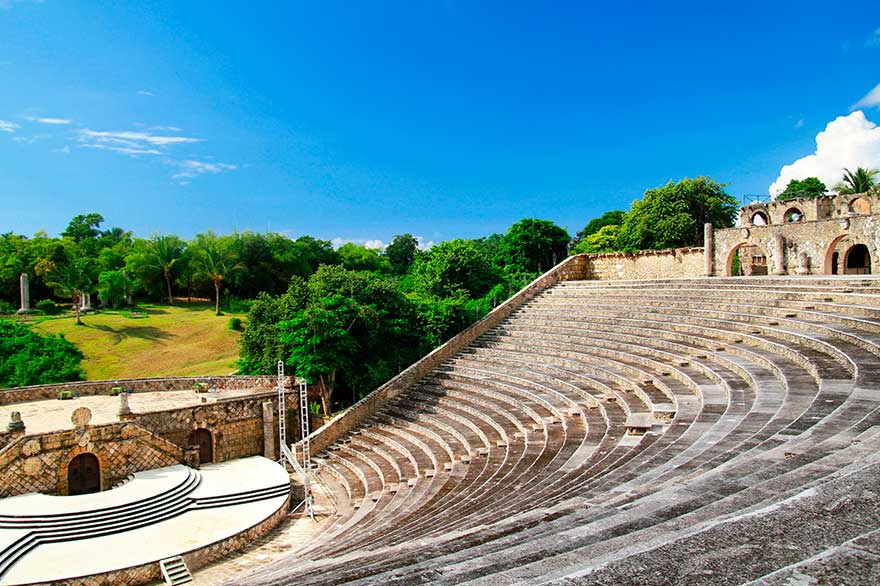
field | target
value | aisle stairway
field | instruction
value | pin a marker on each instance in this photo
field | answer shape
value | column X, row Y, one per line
column 513, row 463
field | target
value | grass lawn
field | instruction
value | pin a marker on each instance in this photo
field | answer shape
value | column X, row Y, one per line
column 180, row 340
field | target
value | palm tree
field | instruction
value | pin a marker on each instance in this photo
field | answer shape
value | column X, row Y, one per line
column 860, row 181
column 70, row 280
column 215, row 260
column 161, row 254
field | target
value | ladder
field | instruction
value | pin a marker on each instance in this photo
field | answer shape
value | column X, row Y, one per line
column 287, row 456
column 174, row 571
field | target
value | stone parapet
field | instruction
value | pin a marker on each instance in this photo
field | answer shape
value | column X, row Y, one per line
column 139, row 385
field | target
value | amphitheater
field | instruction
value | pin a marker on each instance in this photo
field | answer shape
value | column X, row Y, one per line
column 625, row 419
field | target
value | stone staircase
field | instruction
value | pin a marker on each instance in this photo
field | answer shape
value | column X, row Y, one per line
column 512, row 462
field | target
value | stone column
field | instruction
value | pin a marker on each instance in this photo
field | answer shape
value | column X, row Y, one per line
column 25, row 293
column 124, row 409
column 269, row 430
column 709, row 249
column 778, row 244
column 16, row 425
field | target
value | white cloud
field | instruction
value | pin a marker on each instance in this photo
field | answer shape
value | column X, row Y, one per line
column 874, row 39
column 146, row 93
column 65, row 149
column 847, row 141
column 872, row 98
column 423, row 245
column 166, row 128
column 799, row 123
column 133, row 139
column 374, row 243
column 8, row 126
column 54, row 120
column 125, row 150
column 191, row 168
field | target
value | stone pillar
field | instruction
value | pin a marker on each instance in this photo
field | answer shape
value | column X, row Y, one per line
column 124, row 409
column 16, row 425
column 269, row 430
column 86, row 301
column 803, row 267
column 25, row 293
column 778, row 244
column 709, row 249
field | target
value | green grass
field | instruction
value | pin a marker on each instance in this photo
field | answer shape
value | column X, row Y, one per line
column 155, row 340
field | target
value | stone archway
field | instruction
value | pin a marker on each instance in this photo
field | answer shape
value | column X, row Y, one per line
column 205, row 441
column 832, row 256
column 760, row 218
column 752, row 260
column 857, row 260
column 84, row 474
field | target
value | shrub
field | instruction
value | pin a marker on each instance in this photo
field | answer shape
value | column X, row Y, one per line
column 29, row 358
column 235, row 323
column 49, row 307
column 116, row 391
column 7, row 308
column 65, row 395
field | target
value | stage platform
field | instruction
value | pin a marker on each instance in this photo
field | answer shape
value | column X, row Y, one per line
column 158, row 514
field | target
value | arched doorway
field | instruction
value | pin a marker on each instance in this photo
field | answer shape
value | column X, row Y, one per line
column 793, row 216
column 84, row 474
column 860, row 206
column 203, row 439
column 759, row 219
column 857, row 260
column 746, row 260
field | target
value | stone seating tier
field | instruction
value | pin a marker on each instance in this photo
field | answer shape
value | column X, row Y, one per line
column 708, row 431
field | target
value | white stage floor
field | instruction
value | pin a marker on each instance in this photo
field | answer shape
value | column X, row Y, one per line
column 158, row 514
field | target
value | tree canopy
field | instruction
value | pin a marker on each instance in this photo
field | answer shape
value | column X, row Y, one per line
column 28, row 358
column 810, row 187
column 861, row 180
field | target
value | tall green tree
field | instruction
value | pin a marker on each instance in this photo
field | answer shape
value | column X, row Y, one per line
column 859, row 181
column 603, row 240
column 810, row 187
column 673, row 215
column 70, row 279
column 158, row 256
column 401, row 253
column 114, row 288
column 533, row 245
column 215, row 260
column 611, row 218
column 454, row 266
column 356, row 257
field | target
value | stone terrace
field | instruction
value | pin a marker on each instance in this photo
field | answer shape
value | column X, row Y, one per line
column 700, row 431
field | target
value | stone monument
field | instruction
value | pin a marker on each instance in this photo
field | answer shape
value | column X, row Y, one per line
column 25, row 293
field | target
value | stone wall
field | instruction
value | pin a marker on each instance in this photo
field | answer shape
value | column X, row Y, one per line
column 649, row 264
column 38, row 463
column 569, row 269
column 798, row 248
column 236, row 425
column 140, row 385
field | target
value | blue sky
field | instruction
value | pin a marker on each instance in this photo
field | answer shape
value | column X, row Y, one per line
column 360, row 120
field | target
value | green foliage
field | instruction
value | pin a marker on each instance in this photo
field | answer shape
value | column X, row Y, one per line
column 452, row 268
column 533, row 245
column 49, row 307
column 859, row 181
column 27, row 358
column 603, row 240
column 356, row 257
column 7, row 308
column 83, row 227
column 612, row 218
column 114, row 287
column 810, row 187
column 235, row 323
column 154, row 261
column 401, row 253
column 673, row 215
column 214, row 259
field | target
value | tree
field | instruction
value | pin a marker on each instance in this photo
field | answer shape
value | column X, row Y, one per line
column 356, row 257
column 673, row 215
column 810, row 187
column 453, row 266
column 70, row 280
column 533, row 245
column 321, row 342
column 860, row 181
column 159, row 255
column 214, row 260
column 604, row 240
column 612, row 218
column 401, row 253
column 83, row 227
column 114, row 288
